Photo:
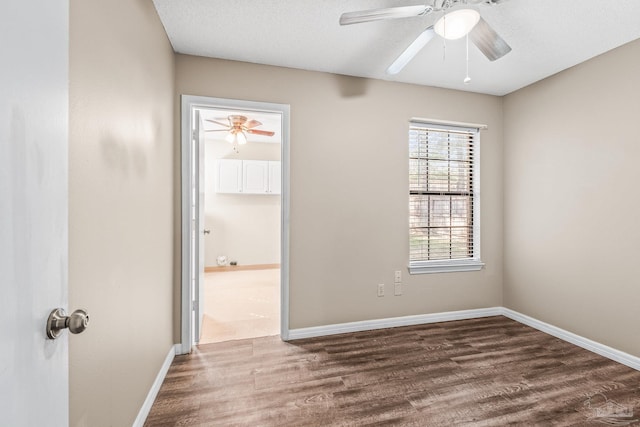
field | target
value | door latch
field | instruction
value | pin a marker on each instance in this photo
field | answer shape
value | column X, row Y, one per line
column 58, row 320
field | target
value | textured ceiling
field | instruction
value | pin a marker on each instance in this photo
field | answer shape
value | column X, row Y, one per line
column 547, row 36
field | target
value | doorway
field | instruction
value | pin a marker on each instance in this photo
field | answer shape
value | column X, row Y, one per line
column 237, row 170
column 242, row 207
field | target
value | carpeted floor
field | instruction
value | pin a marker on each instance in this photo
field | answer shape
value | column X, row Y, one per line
column 241, row 304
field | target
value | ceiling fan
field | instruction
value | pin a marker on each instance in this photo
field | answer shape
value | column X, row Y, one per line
column 238, row 127
column 456, row 22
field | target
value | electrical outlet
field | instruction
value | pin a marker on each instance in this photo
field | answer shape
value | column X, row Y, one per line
column 381, row 290
column 398, row 277
column 397, row 289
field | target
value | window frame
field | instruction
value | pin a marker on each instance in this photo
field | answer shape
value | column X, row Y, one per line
column 473, row 263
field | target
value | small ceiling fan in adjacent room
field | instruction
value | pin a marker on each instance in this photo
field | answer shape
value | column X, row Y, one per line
column 459, row 18
column 238, row 127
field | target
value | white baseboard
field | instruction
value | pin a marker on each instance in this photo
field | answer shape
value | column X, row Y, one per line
column 596, row 347
column 393, row 322
column 367, row 325
column 155, row 387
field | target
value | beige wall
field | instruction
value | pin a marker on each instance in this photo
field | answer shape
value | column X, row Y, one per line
column 244, row 227
column 349, row 201
column 121, row 206
column 571, row 199
column 568, row 146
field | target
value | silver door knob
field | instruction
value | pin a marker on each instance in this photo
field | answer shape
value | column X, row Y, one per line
column 207, row 231
column 58, row 320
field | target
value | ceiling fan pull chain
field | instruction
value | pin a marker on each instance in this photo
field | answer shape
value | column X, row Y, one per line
column 444, row 50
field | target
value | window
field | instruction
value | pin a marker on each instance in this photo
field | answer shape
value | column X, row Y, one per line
column 443, row 198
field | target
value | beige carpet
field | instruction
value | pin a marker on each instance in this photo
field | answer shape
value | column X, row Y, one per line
column 241, row 304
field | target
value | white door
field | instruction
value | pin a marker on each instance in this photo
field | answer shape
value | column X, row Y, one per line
column 34, row 106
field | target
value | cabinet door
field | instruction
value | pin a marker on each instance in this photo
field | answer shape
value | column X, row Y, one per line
column 255, row 177
column 275, row 180
column 229, row 176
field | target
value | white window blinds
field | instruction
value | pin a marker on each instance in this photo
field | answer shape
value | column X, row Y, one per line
column 442, row 180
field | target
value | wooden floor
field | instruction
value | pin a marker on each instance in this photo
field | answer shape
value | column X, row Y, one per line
column 482, row 372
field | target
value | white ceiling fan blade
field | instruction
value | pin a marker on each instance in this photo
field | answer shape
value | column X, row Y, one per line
column 488, row 41
column 487, row 2
column 411, row 51
column 387, row 13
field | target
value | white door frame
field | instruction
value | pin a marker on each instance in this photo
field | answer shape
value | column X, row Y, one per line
column 188, row 104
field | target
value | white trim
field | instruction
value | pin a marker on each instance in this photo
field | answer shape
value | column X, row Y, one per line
column 285, row 203
column 188, row 103
column 449, row 123
column 155, row 387
column 477, row 196
column 186, row 305
column 393, row 322
column 596, row 347
column 424, row 267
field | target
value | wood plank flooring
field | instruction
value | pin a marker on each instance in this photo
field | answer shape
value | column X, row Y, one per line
column 481, row 372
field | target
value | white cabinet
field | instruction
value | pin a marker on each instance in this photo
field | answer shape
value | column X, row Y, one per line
column 248, row 176
column 228, row 176
column 275, row 181
column 255, row 177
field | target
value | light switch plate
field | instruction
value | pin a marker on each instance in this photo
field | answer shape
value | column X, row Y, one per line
column 397, row 289
column 398, row 276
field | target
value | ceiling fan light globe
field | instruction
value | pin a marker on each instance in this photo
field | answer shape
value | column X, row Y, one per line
column 456, row 24
column 241, row 137
column 230, row 138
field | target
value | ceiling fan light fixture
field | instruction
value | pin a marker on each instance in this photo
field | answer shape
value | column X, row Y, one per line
column 236, row 137
column 456, row 24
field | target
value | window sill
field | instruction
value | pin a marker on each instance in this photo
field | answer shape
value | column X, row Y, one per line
column 427, row 267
